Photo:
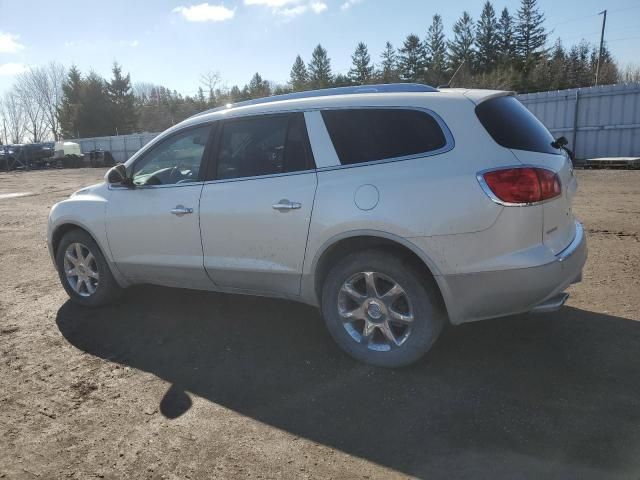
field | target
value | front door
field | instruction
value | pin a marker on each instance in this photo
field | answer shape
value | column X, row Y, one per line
column 153, row 229
column 255, row 210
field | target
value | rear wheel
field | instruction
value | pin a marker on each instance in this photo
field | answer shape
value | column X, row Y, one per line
column 380, row 310
column 83, row 270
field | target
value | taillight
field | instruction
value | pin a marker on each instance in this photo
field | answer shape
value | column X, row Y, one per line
column 522, row 185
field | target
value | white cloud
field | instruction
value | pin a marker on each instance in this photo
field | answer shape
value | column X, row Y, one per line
column 349, row 3
column 289, row 8
column 134, row 43
column 271, row 3
column 8, row 69
column 292, row 11
column 69, row 44
column 318, row 7
column 9, row 43
column 205, row 13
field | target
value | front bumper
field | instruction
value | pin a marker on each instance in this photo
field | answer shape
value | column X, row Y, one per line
column 482, row 295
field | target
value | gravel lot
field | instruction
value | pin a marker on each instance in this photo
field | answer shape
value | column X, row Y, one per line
column 182, row 384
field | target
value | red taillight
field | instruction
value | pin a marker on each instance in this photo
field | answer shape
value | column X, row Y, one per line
column 523, row 185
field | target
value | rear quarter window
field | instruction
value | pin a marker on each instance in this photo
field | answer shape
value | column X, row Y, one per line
column 367, row 135
column 512, row 126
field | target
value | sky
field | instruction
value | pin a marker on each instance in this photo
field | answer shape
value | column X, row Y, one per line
column 173, row 43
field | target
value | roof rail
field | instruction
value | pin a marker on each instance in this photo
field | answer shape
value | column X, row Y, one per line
column 326, row 92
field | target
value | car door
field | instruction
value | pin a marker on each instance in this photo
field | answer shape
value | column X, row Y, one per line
column 256, row 208
column 152, row 227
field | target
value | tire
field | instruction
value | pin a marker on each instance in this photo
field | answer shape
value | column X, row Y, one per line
column 101, row 290
column 419, row 307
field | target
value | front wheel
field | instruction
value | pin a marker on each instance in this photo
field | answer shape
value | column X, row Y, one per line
column 83, row 270
column 380, row 310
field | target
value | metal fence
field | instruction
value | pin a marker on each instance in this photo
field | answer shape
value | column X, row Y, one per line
column 599, row 121
column 121, row 147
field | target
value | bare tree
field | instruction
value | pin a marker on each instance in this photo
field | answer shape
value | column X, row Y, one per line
column 25, row 89
column 47, row 87
column 209, row 81
column 13, row 118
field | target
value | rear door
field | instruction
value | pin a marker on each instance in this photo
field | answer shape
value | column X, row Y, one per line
column 256, row 207
column 513, row 126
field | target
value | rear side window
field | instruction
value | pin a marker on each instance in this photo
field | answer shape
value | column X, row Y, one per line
column 263, row 145
column 366, row 135
column 511, row 125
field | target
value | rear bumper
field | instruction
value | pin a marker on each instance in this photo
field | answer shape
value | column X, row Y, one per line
column 482, row 295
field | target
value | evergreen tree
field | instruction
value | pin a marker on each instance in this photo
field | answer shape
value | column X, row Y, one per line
column 201, row 100
column 558, row 67
column 487, row 38
column 94, row 114
column 461, row 47
column 69, row 107
column 299, row 77
column 412, row 59
column 361, row 70
column 341, row 80
column 388, row 65
column 122, row 102
column 436, row 52
column 258, row 88
column 320, row 68
column 530, row 35
column 506, row 40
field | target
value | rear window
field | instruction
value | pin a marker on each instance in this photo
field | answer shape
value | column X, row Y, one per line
column 366, row 135
column 511, row 125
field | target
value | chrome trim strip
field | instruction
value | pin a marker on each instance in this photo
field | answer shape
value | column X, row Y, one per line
column 487, row 190
column 575, row 243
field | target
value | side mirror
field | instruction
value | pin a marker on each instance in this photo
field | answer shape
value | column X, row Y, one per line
column 116, row 174
column 560, row 142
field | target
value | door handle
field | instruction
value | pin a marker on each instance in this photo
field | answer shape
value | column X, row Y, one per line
column 285, row 205
column 181, row 210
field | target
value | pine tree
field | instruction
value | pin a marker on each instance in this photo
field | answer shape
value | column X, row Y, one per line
column 258, row 88
column 122, row 102
column 558, row 67
column 487, row 39
column 94, row 112
column 530, row 35
column 68, row 109
column 341, row 80
column 412, row 59
column 361, row 70
column 436, row 51
column 506, row 40
column 461, row 47
column 299, row 77
column 388, row 65
column 320, row 68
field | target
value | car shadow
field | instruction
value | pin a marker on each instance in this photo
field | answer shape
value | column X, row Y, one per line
column 534, row 393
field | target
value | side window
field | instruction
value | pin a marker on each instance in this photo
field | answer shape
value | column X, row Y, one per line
column 369, row 134
column 263, row 145
column 174, row 160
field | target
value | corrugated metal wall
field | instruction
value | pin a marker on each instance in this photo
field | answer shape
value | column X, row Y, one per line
column 599, row 121
column 121, row 147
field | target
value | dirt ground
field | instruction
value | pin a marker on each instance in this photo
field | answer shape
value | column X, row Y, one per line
column 181, row 384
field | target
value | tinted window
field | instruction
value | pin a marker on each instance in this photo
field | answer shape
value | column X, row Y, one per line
column 176, row 159
column 263, row 145
column 366, row 135
column 513, row 126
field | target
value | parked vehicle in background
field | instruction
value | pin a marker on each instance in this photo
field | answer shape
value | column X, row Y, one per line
column 99, row 158
column 393, row 208
column 25, row 156
column 68, row 154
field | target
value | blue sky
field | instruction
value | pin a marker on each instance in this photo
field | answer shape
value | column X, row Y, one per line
column 173, row 42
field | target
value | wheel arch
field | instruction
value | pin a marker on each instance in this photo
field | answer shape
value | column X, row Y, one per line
column 59, row 231
column 341, row 245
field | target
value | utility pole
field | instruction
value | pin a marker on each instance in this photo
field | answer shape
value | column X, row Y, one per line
column 604, row 21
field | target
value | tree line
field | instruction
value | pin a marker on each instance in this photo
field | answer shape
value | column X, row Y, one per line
column 507, row 51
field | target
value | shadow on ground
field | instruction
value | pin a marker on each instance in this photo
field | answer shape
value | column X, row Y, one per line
column 545, row 394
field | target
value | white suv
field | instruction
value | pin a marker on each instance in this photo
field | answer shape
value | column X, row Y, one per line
column 394, row 208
